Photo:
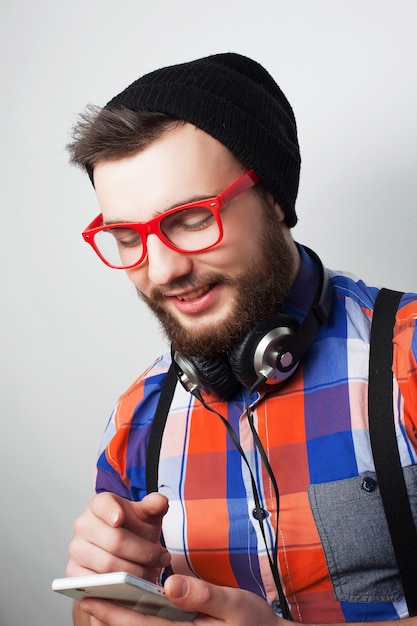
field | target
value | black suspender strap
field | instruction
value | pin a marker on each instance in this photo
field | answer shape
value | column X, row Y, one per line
column 157, row 430
column 384, row 444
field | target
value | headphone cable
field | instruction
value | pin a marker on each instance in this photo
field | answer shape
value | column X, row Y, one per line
column 273, row 560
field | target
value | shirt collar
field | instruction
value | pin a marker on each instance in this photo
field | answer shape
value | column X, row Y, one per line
column 304, row 288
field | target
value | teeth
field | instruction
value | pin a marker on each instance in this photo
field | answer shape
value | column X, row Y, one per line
column 193, row 295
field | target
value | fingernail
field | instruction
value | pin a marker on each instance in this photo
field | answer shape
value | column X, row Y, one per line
column 178, row 587
column 114, row 517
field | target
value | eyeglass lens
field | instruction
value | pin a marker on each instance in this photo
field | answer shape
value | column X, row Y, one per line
column 188, row 230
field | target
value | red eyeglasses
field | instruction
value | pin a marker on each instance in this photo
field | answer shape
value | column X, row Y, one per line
column 189, row 228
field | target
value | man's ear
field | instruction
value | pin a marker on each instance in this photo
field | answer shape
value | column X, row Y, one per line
column 279, row 212
column 273, row 203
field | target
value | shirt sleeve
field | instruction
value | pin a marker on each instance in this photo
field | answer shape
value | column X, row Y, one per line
column 121, row 465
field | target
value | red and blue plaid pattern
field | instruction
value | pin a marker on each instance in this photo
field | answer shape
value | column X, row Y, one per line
column 314, row 430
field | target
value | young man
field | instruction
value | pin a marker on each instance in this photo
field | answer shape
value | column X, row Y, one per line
column 268, row 500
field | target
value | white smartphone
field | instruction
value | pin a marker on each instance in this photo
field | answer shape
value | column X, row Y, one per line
column 135, row 593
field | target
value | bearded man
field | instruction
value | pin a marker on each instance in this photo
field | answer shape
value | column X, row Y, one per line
column 268, row 506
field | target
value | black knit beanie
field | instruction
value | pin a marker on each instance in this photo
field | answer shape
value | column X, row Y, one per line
column 234, row 99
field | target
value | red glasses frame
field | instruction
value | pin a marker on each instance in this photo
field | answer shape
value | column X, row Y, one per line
column 215, row 204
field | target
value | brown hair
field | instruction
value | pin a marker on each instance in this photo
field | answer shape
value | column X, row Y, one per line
column 107, row 134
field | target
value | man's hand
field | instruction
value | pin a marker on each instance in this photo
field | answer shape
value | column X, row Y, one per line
column 115, row 534
column 215, row 605
column 218, row 606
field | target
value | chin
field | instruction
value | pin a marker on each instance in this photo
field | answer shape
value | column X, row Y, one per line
column 201, row 324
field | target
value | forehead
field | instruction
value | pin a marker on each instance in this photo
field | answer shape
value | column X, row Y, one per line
column 184, row 164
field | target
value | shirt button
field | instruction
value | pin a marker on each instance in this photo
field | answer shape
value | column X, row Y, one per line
column 260, row 514
column 369, row 484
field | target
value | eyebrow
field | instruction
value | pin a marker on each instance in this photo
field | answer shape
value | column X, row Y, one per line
column 158, row 213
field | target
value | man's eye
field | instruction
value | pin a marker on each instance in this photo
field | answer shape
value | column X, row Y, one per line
column 189, row 219
column 125, row 237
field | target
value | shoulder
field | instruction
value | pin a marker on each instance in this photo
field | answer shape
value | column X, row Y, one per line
column 122, row 456
column 353, row 310
column 349, row 288
column 354, row 305
column 145, row 390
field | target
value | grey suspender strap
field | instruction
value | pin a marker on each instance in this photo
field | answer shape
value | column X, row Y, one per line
column 157, row 430
column 388, row 468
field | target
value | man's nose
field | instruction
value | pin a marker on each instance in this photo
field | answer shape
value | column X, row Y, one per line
column 165, row 264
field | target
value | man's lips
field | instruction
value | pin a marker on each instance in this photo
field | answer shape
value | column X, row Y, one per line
column 189, row 296
column 195, row 301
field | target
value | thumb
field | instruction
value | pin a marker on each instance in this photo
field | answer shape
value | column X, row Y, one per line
column 151, row 508
column 198, row 595
column 190, row 594
column 230, row 605
column 145, row 516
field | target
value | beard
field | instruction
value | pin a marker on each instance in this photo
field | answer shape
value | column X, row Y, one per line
column 260, row 288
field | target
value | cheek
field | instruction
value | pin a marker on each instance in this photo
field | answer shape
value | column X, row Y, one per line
column 139, row 277
column 241, row 239
column 239, row 246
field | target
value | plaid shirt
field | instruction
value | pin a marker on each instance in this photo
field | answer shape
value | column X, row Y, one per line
column 335, row 557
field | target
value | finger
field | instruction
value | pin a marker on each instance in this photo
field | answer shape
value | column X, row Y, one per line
column 107, row 507
column 116, row 550
column 111, row 614
column 143, row 518
column 101, row 563
column 119, row 541
column 139, row 543
column 155, row 504
column 78, row 616
column 100, row 611
column 146, row 516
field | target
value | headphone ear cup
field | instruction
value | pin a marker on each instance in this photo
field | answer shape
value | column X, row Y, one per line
column 216, row 375
column 213, row 374
column 267, row 356
column 261, row 349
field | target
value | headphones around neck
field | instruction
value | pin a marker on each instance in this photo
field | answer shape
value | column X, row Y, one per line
column 266, row 357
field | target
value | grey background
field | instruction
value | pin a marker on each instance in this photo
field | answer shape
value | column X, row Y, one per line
column 74, row 335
